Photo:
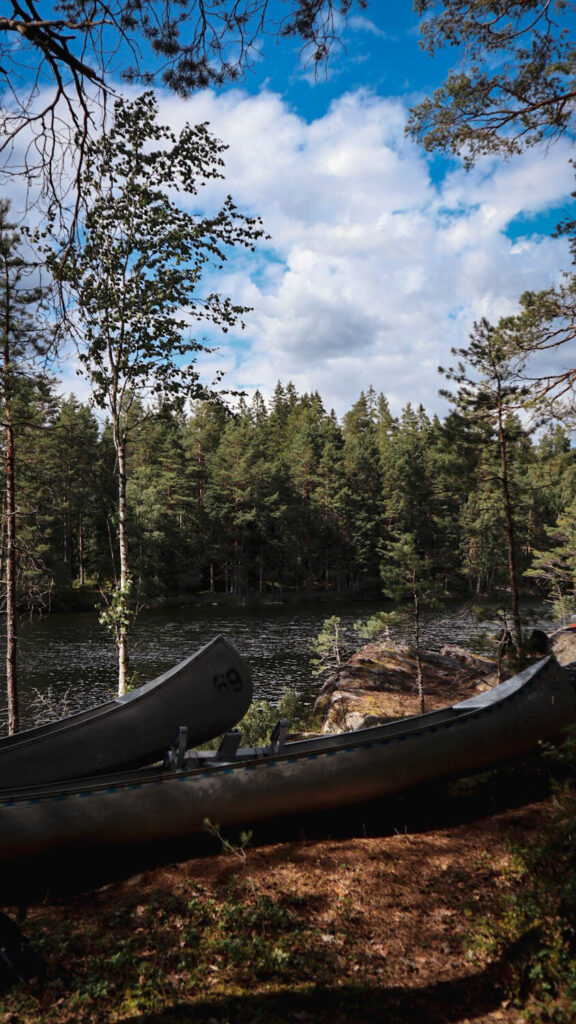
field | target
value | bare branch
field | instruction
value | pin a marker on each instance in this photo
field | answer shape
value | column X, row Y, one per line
column 56, row 73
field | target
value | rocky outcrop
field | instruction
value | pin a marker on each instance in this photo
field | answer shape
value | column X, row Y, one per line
column 562, row 645
column 378, row 683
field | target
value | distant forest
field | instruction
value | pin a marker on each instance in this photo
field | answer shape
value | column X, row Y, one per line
column 277, row 497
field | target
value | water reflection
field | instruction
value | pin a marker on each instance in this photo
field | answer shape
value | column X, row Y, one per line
column 74, row 653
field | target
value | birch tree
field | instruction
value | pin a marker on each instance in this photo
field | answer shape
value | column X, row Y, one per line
column 135, row 274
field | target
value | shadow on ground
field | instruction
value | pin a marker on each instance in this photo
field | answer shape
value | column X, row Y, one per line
column 440, row 805
column 472, row 995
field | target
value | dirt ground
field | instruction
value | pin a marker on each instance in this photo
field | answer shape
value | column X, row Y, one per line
column 374, row 915
column 351, row 920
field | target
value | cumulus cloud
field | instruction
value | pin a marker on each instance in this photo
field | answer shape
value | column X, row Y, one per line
column 374, row 269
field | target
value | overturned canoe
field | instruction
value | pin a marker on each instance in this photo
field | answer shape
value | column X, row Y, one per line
column 208, row 693
column 236, row 786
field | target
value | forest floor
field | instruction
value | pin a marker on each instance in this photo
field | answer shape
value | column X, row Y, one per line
column 356, row 926
column 382, row 914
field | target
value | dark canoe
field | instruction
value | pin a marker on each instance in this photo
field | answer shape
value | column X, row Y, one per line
column 208, row 693
column 241, row 787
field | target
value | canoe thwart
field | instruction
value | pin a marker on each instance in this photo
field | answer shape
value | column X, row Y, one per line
column 229, row 750
column 175, row 756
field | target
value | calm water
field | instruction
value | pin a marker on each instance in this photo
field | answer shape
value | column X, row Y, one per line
column 72, row 655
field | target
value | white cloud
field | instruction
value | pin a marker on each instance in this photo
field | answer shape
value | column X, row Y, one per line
column 375, row 271
column 359, row 23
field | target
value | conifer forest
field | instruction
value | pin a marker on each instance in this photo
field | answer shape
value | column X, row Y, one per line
column 282, row 496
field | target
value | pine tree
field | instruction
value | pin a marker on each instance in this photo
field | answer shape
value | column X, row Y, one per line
column 302, row 452
column 408, row 580
column 488, row 391
column 329, row 504
column 160, row 525
column 201, row 436
column 364, row 509
column 23, row 343
column 73, row 462
column 243, row 500
column 408, row 486
column 555, row 567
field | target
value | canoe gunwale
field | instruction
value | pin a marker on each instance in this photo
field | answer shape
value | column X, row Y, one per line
column 260, row 758
column 208, row 692
column 77, row 719
column 97, row 711
column 46, row 828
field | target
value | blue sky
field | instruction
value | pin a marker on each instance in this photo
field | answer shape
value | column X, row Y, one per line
column 380, row 257
column 379, row 50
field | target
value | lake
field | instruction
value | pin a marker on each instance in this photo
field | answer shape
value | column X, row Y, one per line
column 72, row 655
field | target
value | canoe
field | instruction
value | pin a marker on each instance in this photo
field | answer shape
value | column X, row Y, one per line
column 208, row 693
column 235, row 786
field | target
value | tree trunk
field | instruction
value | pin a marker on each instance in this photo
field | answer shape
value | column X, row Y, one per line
column 80, row 548
column 419, row 672
column 124, row 583
column 510, row 537
column 11, row 614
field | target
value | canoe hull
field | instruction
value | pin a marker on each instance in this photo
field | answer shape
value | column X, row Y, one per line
column 208, row 693
column 144, row 807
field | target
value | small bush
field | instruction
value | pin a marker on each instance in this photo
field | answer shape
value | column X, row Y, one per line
column 532, row 925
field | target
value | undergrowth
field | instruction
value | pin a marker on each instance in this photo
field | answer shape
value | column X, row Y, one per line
column 263, row 715
column 175, row 948
column 531, row 925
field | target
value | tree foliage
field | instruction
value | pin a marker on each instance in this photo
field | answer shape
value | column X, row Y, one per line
column 134, row 273
column 488, row 393
column 555, row 567
column 216, row 504
column 59, row 59
column 23, row 345
column 546, row 322
column 328, row 648
column 515, row 83
column 409, row 581
column 514, row 87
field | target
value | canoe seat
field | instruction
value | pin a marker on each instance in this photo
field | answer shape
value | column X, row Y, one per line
column 278, row 737
column 175, row 757
column 228, row 746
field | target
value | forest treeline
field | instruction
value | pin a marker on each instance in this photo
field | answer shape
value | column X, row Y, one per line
column 277, row 496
